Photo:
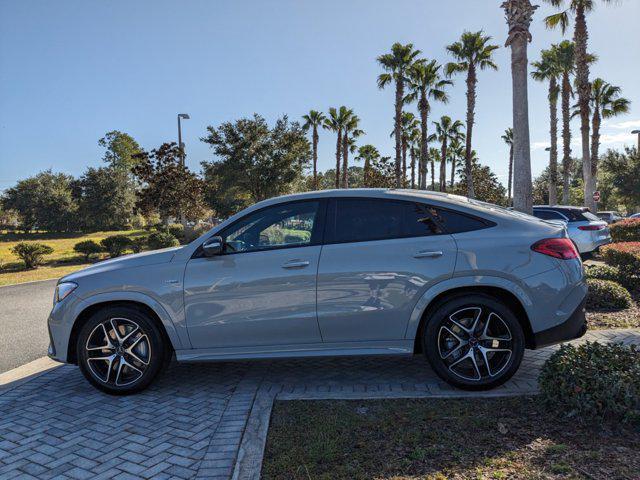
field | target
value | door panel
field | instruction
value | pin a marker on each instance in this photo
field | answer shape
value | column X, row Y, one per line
column 253, row 298
column 367, row 290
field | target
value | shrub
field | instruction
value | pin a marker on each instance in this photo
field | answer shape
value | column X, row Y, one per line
column 116, row 245
column 138, row 244
column 626, row 257
column 31, row 253
column 593, row 380
column 607, row 295
column 177, row 230
column 627, row 230
column 159, row 240
column 194, row 233
column 603, row 272
column 87, row 248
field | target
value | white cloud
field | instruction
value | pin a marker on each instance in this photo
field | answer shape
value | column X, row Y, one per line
column 617, row 138
column 628, row 125
column 540, row 145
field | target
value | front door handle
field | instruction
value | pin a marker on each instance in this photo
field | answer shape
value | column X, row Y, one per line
column 296, row 264
column 427, row 254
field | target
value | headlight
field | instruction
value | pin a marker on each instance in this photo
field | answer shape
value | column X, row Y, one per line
column 63, row 290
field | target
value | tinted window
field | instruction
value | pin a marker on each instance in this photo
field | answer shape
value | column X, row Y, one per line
column 287, row 225
column 420, row 220
column 547, row 215
column 456, row 222
column 362, row 219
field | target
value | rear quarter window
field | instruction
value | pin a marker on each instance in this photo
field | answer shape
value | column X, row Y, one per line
column 457, row 222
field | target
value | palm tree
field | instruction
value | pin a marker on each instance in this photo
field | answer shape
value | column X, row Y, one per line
column 396, row 65
column 335, row 122
column 370, row 155
column 446, row 130
column 606, row 102
column 349, row 134
column 519, row 14
column 434, row 156
column 456, row 153
column 564, row 54
column 472, row 52
column 548, row 69
column 313, row 120
column 424, row 83
column 508, row 139
column 579, row 8
column 414, row 151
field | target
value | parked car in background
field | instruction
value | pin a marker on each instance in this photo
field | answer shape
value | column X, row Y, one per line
column 586, row 230
column 635, row 215
column 336, row 272
column 609, row 216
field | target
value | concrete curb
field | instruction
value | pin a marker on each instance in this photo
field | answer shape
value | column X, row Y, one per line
column 25, row 373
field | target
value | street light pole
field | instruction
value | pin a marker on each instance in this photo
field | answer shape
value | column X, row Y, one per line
column 637, row 132
column 181, row 116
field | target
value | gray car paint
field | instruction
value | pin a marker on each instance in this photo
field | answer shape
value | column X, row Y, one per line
column 166, row 281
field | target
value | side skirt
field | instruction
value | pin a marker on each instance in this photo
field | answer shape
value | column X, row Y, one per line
column 394, row 347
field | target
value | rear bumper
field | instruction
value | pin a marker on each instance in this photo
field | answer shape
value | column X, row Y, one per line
column 574, row 327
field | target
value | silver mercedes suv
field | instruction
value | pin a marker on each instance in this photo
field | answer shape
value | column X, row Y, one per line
column 343, row 272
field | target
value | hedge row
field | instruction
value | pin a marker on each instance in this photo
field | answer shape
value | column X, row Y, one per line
column 627, row 230
column 625, row 257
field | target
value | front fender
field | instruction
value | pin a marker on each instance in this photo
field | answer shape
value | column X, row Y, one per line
column 460, row 282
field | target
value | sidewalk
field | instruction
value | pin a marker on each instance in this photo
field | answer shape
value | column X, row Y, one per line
column 201, row 420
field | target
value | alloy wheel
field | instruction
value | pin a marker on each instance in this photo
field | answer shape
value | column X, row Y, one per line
column 475, row 343
column 118, row 352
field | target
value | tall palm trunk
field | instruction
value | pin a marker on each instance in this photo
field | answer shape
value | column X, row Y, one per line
column 338, row 148
column 454, row 161
column 443, row 165
column 595, row 140
column 345, row 160
column 367, row 172
column 404, row 160
column 398, row 129
column 510, row 182
column 433, row 175
column 471, row 105
column 553, row 130
column 315, row 157
column 413, row 168
column 584, row 93
column 566, row 137
column 424, row 148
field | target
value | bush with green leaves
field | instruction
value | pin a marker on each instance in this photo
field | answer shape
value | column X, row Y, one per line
column 31, row 253
column 177, row 230
column 159, row 240
column 195, row 232
column 116, row 245
column 138, row 244
column 627, row 230
column 625, row 257
column 607, row 272
column 607, row 295
column 87, row 248
column 593, row 380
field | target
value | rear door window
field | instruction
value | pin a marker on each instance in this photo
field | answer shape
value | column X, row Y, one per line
column 548, row 215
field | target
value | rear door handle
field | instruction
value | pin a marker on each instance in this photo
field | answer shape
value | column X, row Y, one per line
column 426, row 254
column 296, row 264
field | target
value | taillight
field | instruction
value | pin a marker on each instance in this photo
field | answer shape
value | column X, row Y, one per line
column 561, row 248
column 591, row 227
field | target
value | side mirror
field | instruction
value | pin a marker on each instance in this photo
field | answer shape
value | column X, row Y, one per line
column 213, row 246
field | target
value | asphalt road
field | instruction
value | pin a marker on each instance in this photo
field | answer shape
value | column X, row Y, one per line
column 23, row 322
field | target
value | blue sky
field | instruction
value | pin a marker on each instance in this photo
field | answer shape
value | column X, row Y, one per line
column 72, row 70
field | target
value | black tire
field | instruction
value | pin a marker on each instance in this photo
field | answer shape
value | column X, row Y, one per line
column 144, row 344
column 444, row 342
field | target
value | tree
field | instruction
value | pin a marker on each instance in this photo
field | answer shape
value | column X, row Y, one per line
column 408, row 125
column 425, row 83
column 369, row 154
column 414, row 152
column 167, row 187
column 257, row 160
column 446, row 130
column 456, row 153
column 44, row 202
column 349, row 135
column 579, row 8
column 434, row 156
column 396, row 64
column 87, row 248
column 508, row 139
column 106, row 199
column 313, row 120
column 623, row 172
column 472, row 52
column 488, row 188
column 335, row 122
column 548, row 69
column 519, row 14
column 605, row 102
column 121, row 150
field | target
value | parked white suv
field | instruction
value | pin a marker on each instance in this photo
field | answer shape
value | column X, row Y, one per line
column 586, row 230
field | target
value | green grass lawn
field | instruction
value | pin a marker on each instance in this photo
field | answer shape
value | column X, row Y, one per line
column 442, row 438
column 62, row 261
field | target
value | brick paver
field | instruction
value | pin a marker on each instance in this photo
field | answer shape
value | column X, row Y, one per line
column 194, row 421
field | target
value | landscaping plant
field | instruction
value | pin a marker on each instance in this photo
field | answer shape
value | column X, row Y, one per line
column 31, row 253
column 138, row 244
column 607, row 295
column 626, row 257
column 87, row 248
column 116, row 245
column 627, row 230
column 159, row 240
column 593, row 381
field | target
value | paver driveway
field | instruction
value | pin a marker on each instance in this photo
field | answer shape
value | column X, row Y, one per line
column 202, row 420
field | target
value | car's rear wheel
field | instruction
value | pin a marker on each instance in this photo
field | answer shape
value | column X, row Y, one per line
column 120, row 350
column 473, row 342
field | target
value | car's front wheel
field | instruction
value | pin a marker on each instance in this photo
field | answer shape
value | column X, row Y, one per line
column 120, row 350
column 473, row 342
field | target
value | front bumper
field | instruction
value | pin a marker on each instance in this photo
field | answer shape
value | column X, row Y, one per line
column 574, row 327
